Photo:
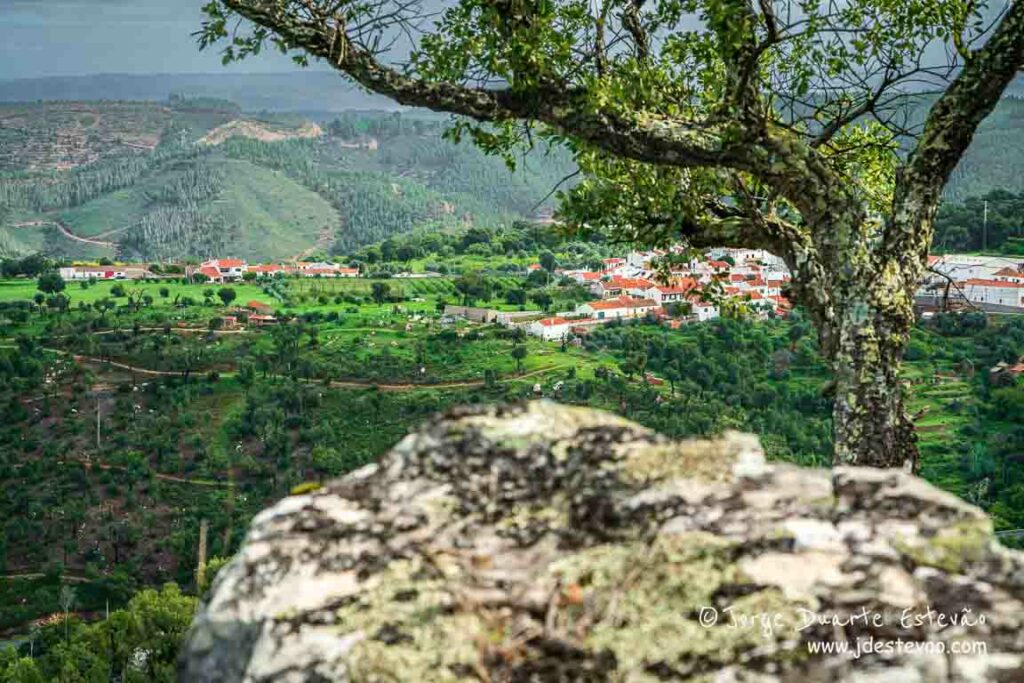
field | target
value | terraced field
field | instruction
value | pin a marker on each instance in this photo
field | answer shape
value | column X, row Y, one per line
column 49, row 136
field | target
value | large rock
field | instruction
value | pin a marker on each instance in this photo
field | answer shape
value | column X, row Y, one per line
column 548, row 543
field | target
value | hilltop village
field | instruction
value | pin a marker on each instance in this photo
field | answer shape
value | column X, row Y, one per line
column 651, row 283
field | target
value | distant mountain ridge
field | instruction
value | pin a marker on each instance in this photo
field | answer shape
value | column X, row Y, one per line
column 197, row 177
column 308, row 90
column 93, row 151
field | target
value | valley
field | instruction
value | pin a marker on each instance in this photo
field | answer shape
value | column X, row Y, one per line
column 136, row 412
column 205, row 309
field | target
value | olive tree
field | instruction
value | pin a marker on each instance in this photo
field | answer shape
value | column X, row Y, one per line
column 821, row 130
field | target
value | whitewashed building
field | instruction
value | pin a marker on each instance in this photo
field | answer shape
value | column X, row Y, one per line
column 994, row 292
column 93, row 273
column 704, row 310
column 551, row 329
column 623, row 307
column 229, row 268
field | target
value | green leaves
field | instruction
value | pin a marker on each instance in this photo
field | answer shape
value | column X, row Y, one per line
column 667, row 105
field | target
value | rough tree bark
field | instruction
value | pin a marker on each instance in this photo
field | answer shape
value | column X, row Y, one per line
column 854, row 271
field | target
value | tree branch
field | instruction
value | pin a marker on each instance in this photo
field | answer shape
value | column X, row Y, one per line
column 948, row 131
column 641, row 137
column 776, row 157
column 633, row 23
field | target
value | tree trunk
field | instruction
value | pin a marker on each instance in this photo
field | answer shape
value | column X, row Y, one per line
column 870, row 425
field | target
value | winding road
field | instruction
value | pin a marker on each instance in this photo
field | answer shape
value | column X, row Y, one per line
column 63, row 229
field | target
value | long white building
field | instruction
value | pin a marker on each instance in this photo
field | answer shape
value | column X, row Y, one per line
column 994, row 292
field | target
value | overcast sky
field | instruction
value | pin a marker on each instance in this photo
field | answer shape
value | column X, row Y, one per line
column 77, row 37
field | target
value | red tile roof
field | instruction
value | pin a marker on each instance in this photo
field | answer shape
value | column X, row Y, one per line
column 994, row 283
column 673, row 290
column 210, row 272
column 1009, row 272
column 631, row 282
column 229, row 263
column 622, row 302
column 686, row 283
column 548, row 322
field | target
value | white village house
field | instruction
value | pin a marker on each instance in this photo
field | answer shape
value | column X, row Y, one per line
column 622, row 307
column 227, row 269
column 551, row 329
column 994, row 292
column 93, row 273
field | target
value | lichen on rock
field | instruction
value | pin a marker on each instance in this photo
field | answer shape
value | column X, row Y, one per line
column 539, row 542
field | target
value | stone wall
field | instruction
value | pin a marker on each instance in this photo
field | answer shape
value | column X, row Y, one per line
column 546, row 543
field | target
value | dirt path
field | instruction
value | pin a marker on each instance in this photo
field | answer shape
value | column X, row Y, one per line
column 323, row 241
column 63, row 229
column 363, row 384
column 112, row 231
column 70, row 578
column 125, row 366
column 179, row 330
column 334, row 383
column 156, row 475
column 351, row 384
column 85, row 240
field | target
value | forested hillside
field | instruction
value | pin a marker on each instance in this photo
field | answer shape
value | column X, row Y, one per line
column 994, row 160
column 993, row 223
column 192, row 178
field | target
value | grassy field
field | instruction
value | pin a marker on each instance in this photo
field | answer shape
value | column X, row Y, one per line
column 24, row 290
column 362, row 287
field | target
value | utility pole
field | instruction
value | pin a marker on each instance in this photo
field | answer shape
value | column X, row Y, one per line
column 984, row 230
column 204, row 527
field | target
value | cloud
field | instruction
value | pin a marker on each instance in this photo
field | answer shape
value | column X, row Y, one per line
column 75, row 37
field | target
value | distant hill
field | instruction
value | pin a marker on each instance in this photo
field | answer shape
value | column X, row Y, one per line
column 197, row 177
column 79, row 178
column 995, row 159
column 308, row 90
